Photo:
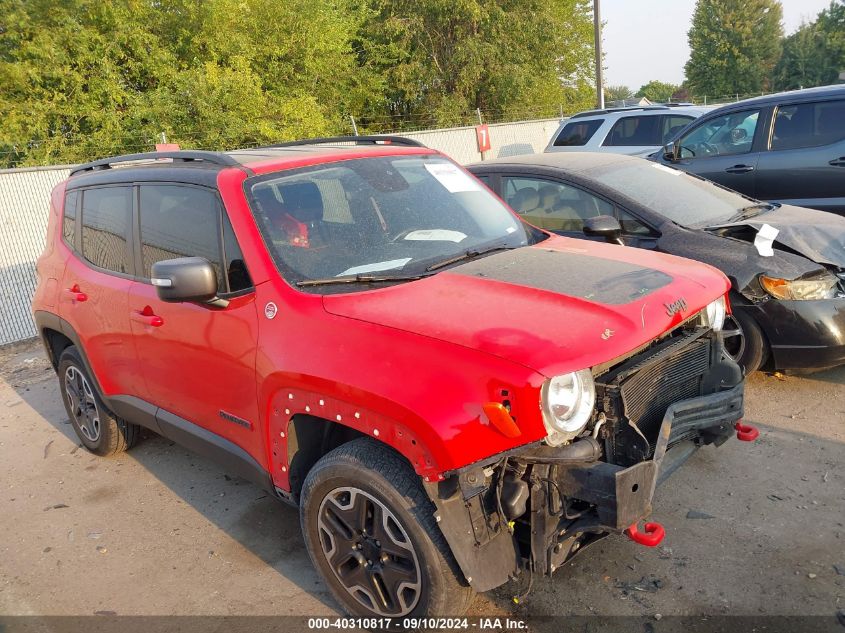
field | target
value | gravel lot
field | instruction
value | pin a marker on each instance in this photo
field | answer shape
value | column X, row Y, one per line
column 752, row 529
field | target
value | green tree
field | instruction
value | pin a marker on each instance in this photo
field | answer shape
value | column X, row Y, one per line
column 83, row 78
column 80, row 79
column 734, row 46
column 442, row 59
column 815, row 54
column 617, row 93
column 657, row 91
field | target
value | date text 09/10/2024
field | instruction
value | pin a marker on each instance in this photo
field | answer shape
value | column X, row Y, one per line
column 413, row 624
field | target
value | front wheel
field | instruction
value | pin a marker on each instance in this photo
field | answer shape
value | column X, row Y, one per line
column 744, row 341
column 369, row 528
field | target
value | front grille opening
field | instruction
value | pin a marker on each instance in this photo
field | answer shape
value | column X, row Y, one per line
column 647, row 394
column 643, row 387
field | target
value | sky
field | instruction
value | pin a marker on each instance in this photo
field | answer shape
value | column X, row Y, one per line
column 647, row 39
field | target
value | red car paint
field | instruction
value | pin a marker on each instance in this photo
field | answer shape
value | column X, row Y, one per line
column 412, row 365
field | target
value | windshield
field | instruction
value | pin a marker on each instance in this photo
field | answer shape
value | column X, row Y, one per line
column 685, row 199
column 392, row 216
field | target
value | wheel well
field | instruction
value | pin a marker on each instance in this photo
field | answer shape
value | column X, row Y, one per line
column 309, row 438
column 56, row 343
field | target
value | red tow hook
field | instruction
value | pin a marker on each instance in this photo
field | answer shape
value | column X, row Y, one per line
column 652, row 536
column 746, row 432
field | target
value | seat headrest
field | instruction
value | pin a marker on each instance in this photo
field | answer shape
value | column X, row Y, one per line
column 548, row 196
column 270, row 205
column 524, row 200
column 303, row 201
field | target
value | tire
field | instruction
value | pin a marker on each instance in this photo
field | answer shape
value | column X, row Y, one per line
column 414, row 574
column 100, row 431
column 744, row 341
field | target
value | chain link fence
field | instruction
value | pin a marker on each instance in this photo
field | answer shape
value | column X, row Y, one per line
column 24, row 206
column 25, row 200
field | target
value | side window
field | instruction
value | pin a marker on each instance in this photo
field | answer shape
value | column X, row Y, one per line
column 671, row 125
column 808, row 125
column 551, row 205
column 69, row 218
column 180, row 221
column 634, row 131
column 485, row 178
column 577, row 132
column 236, row 271
column 106, row 218
column 631, row 225
column 723, row 136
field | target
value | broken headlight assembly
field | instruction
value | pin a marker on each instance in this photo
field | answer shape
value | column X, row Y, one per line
column 567, row 403
column 713, row 316
column 822, row 286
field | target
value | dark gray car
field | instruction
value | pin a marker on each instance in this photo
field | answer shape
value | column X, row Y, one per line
column 787, row 148
column 788, row 291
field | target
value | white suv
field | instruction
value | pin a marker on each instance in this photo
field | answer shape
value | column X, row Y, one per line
column 639, row 130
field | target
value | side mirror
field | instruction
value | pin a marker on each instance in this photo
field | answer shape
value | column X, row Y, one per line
column 187, row 279
column 738, row 134
column 605, row 226
column 670, row 152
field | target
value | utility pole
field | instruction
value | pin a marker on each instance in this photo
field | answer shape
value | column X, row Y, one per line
column 597, row 37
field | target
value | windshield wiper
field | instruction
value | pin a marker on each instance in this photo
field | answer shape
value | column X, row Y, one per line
column 471, row 253
column 357, row 279
column 753, row 209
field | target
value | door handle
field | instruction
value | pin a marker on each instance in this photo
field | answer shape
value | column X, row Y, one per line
column 838, row 162
column 740, row 169
column 147, row 317
column 76, row 294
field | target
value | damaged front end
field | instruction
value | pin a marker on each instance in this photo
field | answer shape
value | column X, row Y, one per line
column 538, row 506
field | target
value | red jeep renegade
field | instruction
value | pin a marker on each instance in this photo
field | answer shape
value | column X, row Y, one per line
column 448, row 394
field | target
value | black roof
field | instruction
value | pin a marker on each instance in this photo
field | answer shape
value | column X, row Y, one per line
column 574, row 162
column 238, row 158
column 807, row 94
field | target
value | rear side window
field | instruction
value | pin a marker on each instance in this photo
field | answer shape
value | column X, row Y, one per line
column 808, row 125
column 182, row 221
column 106, row 218
column 577, row 133
column 634, row 131
column 69, row 218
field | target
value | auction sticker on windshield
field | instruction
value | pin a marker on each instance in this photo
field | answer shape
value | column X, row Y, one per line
column 453, row 178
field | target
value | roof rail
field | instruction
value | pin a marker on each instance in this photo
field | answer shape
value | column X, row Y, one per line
column 187, row 156
column 357, row 140
column 619, row 109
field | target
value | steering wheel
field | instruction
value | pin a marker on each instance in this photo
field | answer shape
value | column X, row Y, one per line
column 711, row 149
column 689, row 149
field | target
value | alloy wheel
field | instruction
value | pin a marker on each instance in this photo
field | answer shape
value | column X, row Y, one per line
column 369, row 552
column 83, row 406
column 734, row 338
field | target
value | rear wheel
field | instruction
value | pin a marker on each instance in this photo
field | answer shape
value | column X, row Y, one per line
column 370, row 531
column 98, row 429
column 744, row 341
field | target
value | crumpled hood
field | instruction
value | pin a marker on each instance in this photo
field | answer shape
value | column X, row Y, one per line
column 817, row 235
column 558, row 306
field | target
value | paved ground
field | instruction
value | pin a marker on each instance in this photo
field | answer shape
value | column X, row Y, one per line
column 751, row 529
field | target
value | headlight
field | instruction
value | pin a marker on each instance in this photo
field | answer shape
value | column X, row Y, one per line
column 821, row 286
column 713, row 316
column 567, row 404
